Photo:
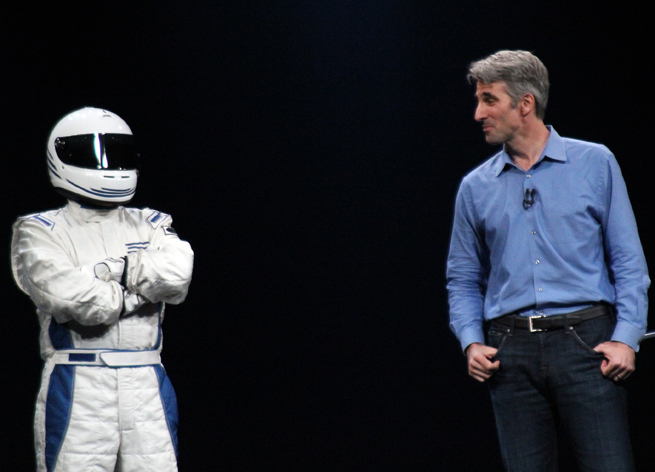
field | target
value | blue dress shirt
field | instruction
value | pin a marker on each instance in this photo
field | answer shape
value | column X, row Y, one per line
column 576, row 244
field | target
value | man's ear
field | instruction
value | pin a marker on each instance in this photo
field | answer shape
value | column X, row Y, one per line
column 527, row 104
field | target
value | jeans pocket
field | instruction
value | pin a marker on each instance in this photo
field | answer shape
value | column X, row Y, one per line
column 591, row 333
column 497, row 339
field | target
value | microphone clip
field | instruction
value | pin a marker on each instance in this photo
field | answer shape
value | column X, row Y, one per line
column 528, row 199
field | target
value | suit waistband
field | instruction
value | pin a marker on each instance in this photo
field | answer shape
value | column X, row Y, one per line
column 107, row 358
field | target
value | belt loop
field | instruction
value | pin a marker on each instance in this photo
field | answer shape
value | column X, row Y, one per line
column 510, row 330
column 567, row 327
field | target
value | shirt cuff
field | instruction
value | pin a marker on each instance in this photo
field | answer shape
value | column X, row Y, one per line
column 627, row 334
column 470, row 336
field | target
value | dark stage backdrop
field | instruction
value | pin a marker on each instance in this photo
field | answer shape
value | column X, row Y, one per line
column 310, row 152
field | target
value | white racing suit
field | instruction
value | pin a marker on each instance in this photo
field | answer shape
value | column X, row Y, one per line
column 105, row 402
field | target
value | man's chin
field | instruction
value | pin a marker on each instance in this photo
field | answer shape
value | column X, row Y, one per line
column 493, row 140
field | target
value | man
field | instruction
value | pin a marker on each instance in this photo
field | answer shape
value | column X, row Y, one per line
column 99, row 275
column 547, row 279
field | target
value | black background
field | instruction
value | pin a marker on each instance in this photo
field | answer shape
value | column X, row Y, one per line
column 310, row 152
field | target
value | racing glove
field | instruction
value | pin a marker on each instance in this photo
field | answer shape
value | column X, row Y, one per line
column 132, row 302
column 110, row 270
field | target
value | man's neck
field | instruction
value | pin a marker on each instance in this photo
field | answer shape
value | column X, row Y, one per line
column 525, row 150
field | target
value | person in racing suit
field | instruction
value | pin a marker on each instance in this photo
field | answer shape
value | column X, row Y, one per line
column 99, row 274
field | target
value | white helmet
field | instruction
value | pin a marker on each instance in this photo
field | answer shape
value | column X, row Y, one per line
column 92, row 157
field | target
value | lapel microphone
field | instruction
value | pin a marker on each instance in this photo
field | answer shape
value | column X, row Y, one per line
column 528, row 199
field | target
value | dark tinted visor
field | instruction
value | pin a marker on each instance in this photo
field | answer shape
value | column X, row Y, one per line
column 98, row 151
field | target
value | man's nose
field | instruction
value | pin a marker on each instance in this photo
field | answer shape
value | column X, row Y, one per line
column 479, row 113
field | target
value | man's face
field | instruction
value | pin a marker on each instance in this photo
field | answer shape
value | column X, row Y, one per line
column 500, row 121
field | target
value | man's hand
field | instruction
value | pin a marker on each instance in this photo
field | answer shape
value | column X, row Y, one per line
column 619, row 360
column 110, row 269
column 479, row 359
column 132, row 302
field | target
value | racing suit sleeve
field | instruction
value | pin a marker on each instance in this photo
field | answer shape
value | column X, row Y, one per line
column 162, row 272
column 44, row 270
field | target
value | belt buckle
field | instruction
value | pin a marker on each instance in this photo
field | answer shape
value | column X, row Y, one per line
column 531, row 327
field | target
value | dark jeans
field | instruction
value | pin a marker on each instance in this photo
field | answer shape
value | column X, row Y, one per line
column 553, row 377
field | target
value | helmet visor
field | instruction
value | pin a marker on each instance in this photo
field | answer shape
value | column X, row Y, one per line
column 98, row 151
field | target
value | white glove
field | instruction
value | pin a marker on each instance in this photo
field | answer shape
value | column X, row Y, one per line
column 110, row 269
column 132, row 302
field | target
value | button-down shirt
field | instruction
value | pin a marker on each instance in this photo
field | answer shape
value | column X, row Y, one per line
column 549, row 240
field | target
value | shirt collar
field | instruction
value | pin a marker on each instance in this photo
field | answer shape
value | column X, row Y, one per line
column 554, row 150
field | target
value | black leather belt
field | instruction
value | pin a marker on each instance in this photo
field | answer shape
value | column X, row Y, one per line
column 547, row 322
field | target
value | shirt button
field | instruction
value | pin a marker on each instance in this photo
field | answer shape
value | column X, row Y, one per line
column 537, row 261
column 534, row 232
column 541, row 289
column 529, row 176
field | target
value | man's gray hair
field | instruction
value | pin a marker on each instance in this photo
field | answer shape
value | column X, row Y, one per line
column 522, row 71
